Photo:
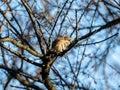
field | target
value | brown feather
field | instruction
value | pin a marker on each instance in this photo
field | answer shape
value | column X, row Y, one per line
column 61, row 43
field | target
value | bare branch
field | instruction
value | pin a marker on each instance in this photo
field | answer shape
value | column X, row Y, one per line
column 97, row 41
column 34, row 25
column 21, row 56
column 21, row 46
column 109, row 24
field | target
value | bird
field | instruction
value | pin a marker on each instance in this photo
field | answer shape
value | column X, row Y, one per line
column 61, row 43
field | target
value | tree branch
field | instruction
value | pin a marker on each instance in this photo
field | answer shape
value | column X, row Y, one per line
column 32, row 18
column 35, row 53
column 24, row 82
column 16, row 31
column 107, row 25
column 21, row 56
column 79, row 44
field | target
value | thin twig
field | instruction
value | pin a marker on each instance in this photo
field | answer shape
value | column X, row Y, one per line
column 97, row 41
column 21, row 56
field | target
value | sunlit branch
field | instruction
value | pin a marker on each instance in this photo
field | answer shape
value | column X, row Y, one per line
column 35, row 53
